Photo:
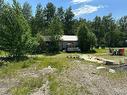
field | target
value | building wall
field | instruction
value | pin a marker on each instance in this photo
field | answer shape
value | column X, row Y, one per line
column 63, row 44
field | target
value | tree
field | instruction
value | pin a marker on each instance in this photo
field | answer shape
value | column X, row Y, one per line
column 102, row 26
column 55, row 32
column 68, row 23
column 108, row 23
column 97, row 24
column 15, row 34
column 49, row 13
column 86, row 39
column 60, row 14
column 123, row 24
column 92, row 39
column 75, row 26
column 37, row 22
column 27, row 11
column 1, row 5
column 115, row 38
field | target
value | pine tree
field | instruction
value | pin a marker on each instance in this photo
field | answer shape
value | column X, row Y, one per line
column 49, row 13
column 27, row 11
column 68, row 23
column 86, row 39
column 55, row 32
column 15, row 34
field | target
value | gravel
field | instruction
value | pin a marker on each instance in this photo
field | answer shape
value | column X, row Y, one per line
column 81, row 74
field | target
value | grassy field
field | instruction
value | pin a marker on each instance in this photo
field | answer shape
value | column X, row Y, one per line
column 72, row 76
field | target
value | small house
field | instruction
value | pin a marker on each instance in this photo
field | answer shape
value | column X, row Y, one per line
column 67, row 42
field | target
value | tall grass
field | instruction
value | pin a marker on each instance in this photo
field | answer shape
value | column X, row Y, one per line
column 27, row 85
column 55, row 62
column 11, row 68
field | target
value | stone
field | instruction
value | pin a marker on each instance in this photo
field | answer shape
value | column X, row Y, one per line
column 112, row 71
column 100, row 67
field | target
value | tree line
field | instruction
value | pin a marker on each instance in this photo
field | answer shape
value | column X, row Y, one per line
column 22, row 32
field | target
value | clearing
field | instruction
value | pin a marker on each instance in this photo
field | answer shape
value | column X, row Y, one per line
column 59, row 75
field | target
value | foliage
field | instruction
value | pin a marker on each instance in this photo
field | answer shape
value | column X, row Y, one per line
column 97, row 25
column 37, row 22
column 55, row 32
column 41, row 48
column 86, row 38
column 92, row 39
column 1, row 5
column 105, row 30
column 123, row 24
column 114, row 38
column 68, row 23
column 15, row 34
column 60, row 14
column 27, row 11
column 49, row 13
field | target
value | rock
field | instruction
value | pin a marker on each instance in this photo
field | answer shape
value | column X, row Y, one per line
column 112, row 71
column 100, row 67
column 47, row 70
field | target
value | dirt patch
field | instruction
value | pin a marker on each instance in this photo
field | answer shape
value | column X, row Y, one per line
column 81, row 78
column 44, row 90
column 6, row 84
column 84, row 76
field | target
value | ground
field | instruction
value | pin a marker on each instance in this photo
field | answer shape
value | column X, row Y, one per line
column 59, row 75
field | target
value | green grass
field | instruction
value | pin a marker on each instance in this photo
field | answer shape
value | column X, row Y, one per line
column 101, row 50
column 3, row 53
column 27, row 85
column 53, row 85
column 56, row 86
column 11, row 68
column 55, row 62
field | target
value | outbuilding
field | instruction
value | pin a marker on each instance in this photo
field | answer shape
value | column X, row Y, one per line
column 67, row 42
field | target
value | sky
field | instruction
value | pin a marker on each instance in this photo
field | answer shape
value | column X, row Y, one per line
column 86, row 8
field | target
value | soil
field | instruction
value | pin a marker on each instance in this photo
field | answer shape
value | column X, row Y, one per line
column 84, row 75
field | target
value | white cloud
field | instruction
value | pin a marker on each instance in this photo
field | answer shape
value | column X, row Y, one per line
column 87, row 9
column 80, row 1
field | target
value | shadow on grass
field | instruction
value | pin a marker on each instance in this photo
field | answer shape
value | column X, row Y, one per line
column 48, row 54
column 51, row 54
column 13, row 58
column 90, row 52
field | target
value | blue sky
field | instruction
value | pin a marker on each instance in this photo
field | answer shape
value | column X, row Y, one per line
column 86, row 8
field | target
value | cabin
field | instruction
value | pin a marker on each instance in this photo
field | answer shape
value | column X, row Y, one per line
column 68, row 43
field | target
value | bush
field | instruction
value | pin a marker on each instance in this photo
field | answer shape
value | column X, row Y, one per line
column 86, row 39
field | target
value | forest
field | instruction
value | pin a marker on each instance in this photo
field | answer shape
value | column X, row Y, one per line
column 22, row 30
